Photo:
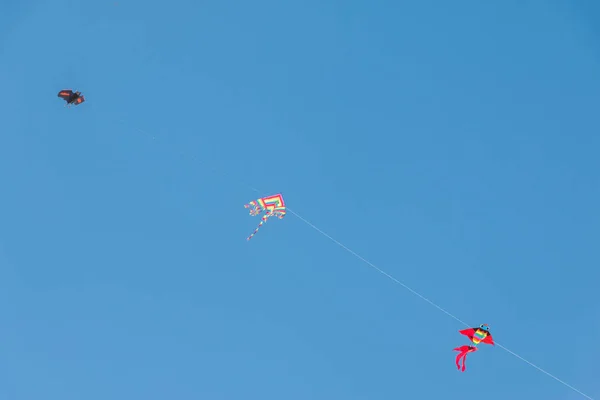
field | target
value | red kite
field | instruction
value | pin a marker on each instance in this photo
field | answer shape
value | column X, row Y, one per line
column 475, row 335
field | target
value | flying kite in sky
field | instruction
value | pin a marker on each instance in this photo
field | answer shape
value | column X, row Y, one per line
column 71, row 97
column 272, row 205
column 475, row 335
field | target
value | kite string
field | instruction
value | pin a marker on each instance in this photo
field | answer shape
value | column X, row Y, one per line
column 544, row 371
column 392, row 278
column 376, row 268
column 395, row 280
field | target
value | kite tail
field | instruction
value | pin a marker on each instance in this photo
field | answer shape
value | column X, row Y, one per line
column 256, row 230
column 458, row 360
column 462, row 356
column 262, row 221
column 463, row 351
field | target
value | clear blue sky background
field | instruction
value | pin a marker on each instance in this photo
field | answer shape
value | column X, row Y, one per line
column 453, row 144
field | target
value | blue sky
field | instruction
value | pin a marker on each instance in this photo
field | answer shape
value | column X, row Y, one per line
column 452, row 144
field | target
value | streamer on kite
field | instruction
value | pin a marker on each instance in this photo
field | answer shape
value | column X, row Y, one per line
column 464, row 350
column 272, row 205
column 476, row 336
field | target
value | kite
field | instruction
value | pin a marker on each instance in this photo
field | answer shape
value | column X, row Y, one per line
column 476, row 336
column 272, row 205
column 71, row 97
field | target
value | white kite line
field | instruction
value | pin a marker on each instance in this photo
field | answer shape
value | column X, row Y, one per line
column 395, row 280
column 392, row 278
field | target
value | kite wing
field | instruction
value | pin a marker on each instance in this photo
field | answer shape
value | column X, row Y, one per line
column 65, row 94
column 79, row 100
column 272, row 205
column 468, row 333
column 489, row 339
